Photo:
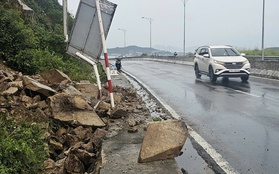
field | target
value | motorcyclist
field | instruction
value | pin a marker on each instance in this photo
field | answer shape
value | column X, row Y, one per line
column 118, row 64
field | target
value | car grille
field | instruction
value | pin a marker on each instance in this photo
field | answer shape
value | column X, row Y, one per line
column 234, row 65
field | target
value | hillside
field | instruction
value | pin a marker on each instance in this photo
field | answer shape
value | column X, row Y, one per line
column 275, row 49
column 32, row 40
column 130, row 51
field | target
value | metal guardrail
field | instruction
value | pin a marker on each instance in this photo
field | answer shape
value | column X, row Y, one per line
column 189, row 58
column 265, row 57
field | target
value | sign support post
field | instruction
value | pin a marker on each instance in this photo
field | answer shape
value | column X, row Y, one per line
column 105, row 52
column 95, row 70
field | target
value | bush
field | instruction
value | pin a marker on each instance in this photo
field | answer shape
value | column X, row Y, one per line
column 22, row 148
column 14, row 34
column 33, row 61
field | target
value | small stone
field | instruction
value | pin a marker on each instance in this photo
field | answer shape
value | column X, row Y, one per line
column 132, row 130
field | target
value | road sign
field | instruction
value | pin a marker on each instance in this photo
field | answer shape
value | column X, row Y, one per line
column 85, row 36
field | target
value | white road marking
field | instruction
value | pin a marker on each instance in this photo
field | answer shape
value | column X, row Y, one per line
column 220, row 161
column 253, row 95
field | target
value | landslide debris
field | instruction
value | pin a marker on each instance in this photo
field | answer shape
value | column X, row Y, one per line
column 75, row 118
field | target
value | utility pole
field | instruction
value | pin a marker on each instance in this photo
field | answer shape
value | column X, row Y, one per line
column 124, row 31
column 150, row 22
column 263, row 31
column 184, row 46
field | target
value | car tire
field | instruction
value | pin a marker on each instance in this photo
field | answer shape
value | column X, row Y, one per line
column 197, row 71
column 212, row 76
column 244, row 78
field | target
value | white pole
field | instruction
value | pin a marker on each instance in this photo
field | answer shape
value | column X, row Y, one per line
column 65, row 20
column 184, row 30
column 263, row 31
column 184, row 36
column 105, row 52
column 124, row 31
column 95, row 70
column 150, row 22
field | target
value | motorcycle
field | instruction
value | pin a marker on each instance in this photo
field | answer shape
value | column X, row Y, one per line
column 118, row 64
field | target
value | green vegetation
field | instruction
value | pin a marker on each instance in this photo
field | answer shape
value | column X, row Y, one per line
column 34, row 42
column 156, row 119
column 22, row 148
column 257, row 52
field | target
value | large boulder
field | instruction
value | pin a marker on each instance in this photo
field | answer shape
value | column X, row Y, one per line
column 163, row 140
column 66, row 102
column 35, row 86
column 84, row 118
column 55, row 76
column 88, row 90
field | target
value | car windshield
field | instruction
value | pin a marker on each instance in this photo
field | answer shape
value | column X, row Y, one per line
column 223, row 52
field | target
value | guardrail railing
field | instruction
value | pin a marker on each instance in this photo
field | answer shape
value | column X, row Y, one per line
column 190, row 58
column 265, row 57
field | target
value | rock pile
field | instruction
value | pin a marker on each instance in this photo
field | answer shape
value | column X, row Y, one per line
column 76, row 119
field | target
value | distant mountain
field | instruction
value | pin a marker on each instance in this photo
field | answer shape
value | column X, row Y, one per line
column 130, row 51
column 176, row 49
column 168, row 48
column 273, row 49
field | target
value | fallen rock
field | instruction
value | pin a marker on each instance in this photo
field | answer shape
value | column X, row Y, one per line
column 133, row 130
column 80, row 103
column 163, row 140
column 117, row 98
column 64, row 102
column 89, row 118
column 119, row 113
column 56, row 145
column 49, row 164
column 4, row 86
column 72, row 91
column 98, row 135
column 73, row 164
column 132, row 123
column 34, row 85
column 103, row 109
column 82, row 132
column 88, row 90
column 84, row 118
column 10, row 91
column 54, row 76
column 18, row 84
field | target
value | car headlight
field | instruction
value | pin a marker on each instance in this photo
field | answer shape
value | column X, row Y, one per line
column 219, row 62
column 245, row 62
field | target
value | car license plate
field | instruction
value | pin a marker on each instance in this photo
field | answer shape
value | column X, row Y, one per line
column 234, row 70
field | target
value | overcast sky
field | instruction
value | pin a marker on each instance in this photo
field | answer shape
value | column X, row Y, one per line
column 208, row 22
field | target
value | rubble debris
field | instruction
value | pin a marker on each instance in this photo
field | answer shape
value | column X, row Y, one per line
column 74, row 128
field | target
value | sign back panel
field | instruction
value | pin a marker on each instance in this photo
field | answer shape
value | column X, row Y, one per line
column 85, row 36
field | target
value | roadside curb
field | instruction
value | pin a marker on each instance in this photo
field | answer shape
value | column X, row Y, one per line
column 222, row 165
column 120, row 151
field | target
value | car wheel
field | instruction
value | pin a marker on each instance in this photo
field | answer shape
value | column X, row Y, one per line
column 244, row 78
column 197, row 72
column 212, row 77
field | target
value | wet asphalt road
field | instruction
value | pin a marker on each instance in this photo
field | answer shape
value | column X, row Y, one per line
column 240, row 120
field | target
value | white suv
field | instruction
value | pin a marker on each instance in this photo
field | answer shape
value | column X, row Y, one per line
column 221, row 61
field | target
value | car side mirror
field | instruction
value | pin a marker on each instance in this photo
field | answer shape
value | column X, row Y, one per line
column 206, row 55
column 242, row 54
